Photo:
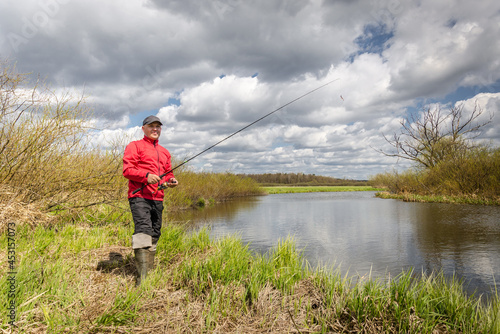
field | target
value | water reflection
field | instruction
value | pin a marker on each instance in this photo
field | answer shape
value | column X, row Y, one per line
column 361, row 233
column 460, row 239
column 219, row 213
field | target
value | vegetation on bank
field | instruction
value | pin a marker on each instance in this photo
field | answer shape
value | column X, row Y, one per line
column 473, row 200
column 79, row 278
column 450, row 165
column 301, row 179
column 201, row 189
column 299, row 189
column 473, row 178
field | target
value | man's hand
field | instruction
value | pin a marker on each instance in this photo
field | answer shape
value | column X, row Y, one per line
column 153, row 178
column 172, row 182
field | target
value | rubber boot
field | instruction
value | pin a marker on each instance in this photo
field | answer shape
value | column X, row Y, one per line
column 142, row 264
column 151, row 259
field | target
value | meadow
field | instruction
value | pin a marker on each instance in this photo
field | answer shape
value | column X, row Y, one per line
column 310, row 189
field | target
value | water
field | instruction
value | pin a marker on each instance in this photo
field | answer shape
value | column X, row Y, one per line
column 359, row 233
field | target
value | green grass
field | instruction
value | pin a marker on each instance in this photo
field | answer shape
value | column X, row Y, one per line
column 310, row 189
column 464, row 199
column 67, row 282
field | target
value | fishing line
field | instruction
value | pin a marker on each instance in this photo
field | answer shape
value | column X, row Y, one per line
column 234, row 133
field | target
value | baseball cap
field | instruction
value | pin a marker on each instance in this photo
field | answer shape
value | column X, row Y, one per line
column 151, row 119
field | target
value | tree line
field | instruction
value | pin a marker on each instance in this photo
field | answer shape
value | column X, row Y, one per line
column 301, row 179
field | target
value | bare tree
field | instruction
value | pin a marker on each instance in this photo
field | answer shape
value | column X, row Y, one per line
column 433, row 136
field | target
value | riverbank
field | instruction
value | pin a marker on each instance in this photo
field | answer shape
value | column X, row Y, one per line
column 310, row 189
column 407, row 197
column 80, row 279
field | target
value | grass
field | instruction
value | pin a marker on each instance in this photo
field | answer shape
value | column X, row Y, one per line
column 463, row 199
column 80, row 279
column 310, row 189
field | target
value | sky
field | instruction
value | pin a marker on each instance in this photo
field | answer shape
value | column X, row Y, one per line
column 209, row 68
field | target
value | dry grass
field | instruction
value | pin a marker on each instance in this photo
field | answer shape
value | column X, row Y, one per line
column 109, row 272
column 204, row 189
column 12, row 210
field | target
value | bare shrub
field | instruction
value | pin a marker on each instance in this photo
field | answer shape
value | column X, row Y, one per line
column 434, row 136
column 46, row 158
column 448, row 159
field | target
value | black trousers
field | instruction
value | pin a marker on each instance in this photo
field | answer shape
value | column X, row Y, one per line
column 147, row 215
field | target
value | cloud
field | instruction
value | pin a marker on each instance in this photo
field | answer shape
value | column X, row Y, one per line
column 489, row 104
column 437, row 47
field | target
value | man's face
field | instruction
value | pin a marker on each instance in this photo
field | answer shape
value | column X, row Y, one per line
column 152, row 130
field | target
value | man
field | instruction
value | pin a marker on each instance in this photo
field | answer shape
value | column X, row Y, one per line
column 144, row 162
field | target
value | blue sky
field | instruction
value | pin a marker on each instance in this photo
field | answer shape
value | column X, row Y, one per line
column 209, row 68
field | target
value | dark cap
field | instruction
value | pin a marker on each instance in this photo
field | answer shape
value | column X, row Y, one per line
column 151, row 119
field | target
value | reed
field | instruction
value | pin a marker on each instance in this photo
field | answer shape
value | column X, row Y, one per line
column 203, row 189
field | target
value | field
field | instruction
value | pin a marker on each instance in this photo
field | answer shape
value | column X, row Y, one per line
column 310, row 189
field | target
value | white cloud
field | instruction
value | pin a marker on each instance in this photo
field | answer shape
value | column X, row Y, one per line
column 438, row 45
column 489, row 104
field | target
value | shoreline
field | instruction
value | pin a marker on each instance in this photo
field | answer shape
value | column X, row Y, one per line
column 407, row 197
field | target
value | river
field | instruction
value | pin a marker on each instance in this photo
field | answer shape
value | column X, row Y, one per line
column 361, row 234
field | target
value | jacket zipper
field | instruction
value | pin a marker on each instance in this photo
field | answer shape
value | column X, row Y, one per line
column 158, row 160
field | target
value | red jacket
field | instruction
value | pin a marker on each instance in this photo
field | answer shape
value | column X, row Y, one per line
column 142, row 157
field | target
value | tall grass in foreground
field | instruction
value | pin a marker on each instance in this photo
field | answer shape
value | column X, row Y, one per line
column 77, row 279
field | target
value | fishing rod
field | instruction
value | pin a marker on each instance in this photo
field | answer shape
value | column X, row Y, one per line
column 234, row 133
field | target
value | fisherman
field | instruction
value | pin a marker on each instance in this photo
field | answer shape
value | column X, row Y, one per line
column 144, row 162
